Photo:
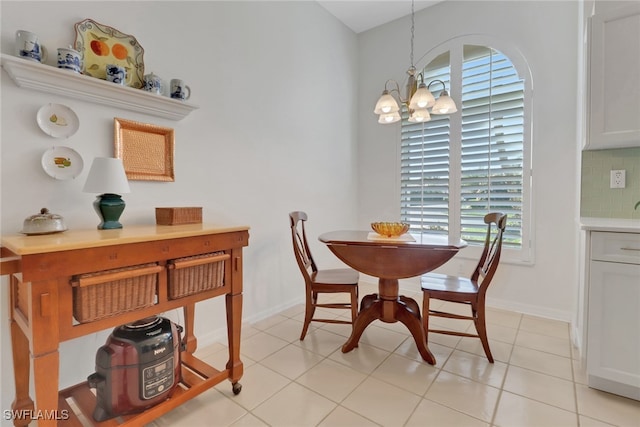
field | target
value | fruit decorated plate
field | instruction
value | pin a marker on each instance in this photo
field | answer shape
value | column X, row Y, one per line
column 62, row 163
column 57, row 120
column 101, row 45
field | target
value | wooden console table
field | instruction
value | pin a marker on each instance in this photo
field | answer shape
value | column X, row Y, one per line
column 41, row 295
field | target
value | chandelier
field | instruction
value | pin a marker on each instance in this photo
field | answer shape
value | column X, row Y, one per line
column 419, row 99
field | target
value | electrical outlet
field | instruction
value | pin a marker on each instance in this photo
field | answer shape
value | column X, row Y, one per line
column 618, row 179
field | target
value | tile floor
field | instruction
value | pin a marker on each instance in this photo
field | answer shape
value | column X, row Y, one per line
column 536, row 379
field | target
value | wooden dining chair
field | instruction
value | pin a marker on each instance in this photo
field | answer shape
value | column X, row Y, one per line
column 317, row 282
column 470, row 291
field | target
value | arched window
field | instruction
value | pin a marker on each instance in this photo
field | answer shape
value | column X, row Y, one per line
column 456, row 168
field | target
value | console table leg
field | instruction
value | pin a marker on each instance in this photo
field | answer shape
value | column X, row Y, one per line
column 234, row 323
column 190, row 341
column 46, row 375
column 23, row 404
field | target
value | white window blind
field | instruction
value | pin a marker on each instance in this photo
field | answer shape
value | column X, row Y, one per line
column 450, row 180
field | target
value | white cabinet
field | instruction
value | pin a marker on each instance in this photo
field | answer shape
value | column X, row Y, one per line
column 614, row 76
column 613, row 337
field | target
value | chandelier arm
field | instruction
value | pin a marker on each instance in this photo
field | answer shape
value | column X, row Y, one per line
column 444, row 87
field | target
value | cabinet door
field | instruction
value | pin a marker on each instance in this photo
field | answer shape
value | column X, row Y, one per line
column 614, row 75
column 613, row 347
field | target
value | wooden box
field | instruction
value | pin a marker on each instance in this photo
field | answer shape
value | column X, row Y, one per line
column 110, row 292
column 178, row 215
column 195, row 274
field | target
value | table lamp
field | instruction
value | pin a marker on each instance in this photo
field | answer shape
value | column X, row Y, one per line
column 107, row 176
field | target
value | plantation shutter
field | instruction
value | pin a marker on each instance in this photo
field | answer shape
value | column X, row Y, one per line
column 489, row 158
column 425, row 168
column 492, row 143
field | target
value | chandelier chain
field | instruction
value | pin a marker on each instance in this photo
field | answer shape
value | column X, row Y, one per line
column 412, row 33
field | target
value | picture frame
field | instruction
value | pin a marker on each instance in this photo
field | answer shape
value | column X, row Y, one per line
column 146, row 150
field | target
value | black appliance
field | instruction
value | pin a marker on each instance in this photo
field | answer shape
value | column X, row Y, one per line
column 138, row 367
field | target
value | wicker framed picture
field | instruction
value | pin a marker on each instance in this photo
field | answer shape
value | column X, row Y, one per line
column 146, row 150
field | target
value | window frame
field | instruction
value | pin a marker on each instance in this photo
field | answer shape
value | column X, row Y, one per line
column 525, row 254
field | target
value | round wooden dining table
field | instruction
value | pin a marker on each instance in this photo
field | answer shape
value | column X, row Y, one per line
column 390, row 259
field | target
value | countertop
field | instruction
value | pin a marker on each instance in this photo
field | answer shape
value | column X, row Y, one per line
column 21, row 244
column 611, row 224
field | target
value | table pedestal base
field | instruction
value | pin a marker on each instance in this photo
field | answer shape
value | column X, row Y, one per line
column 390, row 307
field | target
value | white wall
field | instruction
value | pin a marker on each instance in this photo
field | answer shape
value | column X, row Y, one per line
column 275, row 132
column 546, row 33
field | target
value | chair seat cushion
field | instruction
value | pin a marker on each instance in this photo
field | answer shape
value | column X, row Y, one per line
column 338, row 276
column 441, row 282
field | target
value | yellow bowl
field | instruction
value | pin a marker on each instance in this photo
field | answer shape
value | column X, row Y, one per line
column 390, row 229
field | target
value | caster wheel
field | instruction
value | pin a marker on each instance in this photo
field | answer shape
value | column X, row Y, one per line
column 237, row 388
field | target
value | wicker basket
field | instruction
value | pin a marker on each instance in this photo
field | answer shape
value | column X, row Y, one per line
column 194, row 274
column 106, row 293
column 175, row 216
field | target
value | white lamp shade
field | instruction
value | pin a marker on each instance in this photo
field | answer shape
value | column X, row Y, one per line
column 107, row 175
column 386, row 104
column 419, row 116
column 422, row 98
column 444, row 104
column 389, row 118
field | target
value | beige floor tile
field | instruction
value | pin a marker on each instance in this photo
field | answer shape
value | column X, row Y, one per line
column 321, row 342
column 296, row 406
column 579, row 372
column 288, row 330
column 331, row 379
column 382, row 338
column 430, row 413
column 543, row 388
column 209, row 409
column 336, row 328
column 293, row 311
column 505, row 318
column 220, row 358
column 464, row 395
column 261, row 345
column 539, row 325
column 258, row 384
column 269, row 322
column 363, row 358
column 292, row 361
column 501, row 351
column 549, row 344
column 608, row 407
column 502, row 333
column 342, row 417
column 409, row 350
column 539, row 361
column 476, row 368
column 407, row 374
column 590, row 422
column 249, row 420
column 514, row 410
column 381, row 402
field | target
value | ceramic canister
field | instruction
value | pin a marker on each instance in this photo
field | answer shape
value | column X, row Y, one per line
column 179, row 90
column 28, row 46
column 69, row 59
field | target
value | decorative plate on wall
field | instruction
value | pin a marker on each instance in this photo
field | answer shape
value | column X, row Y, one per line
column 62, row 163
column 101, row 45
column 57, row 120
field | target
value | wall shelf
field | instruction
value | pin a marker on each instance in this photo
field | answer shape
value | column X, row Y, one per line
column 45, row 78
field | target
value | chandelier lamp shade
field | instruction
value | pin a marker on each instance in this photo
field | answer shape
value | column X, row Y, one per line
column 419, row 101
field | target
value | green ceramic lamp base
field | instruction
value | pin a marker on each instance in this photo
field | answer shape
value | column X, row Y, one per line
column 109, row 208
